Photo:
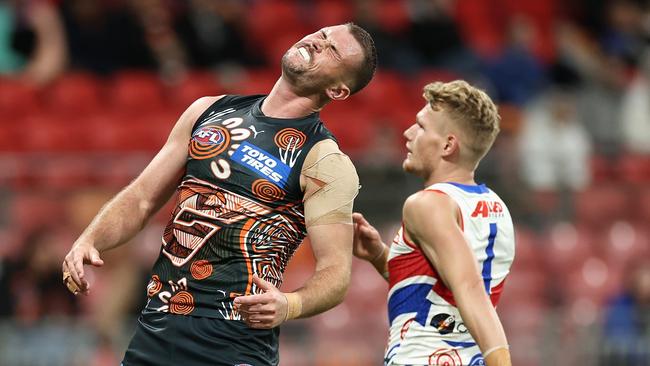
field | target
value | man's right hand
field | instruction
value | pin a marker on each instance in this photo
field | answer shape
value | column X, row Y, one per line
column 367, row 242
column 73, row 271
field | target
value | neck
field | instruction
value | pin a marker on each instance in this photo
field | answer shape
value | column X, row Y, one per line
column 450, row 173
column 284, row 102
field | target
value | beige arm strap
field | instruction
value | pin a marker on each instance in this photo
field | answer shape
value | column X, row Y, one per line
column 330, row 183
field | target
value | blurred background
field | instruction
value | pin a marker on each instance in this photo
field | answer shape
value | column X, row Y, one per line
column 89, row 90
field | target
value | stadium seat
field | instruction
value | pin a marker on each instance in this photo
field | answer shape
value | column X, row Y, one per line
column 193, row 86
column 47, row 133
column 328, row 12
column 133, row 92
column 642, row 200
column 594, row 279
column 256, row 81
column 75, row 94
column 481, row 25
column 625, row 241
column 634, row 169
column 565, row 246
column 596, row 205
column 393, row 16
column 351, row 126
column 17, row 99
column 602, row 170
column 264, row 29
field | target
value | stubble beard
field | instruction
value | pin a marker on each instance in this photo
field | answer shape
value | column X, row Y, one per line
column 299, row 77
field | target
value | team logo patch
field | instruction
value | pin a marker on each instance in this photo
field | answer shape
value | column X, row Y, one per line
column 201, row 269
column 444, row 323
column 209, row 141
column 262, row 163
column 267, row 191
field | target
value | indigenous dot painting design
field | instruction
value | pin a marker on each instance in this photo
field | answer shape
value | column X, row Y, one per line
column 181, row 303
column 154, row 286
column 208, row 142
column 201, row 269
column 267, row 191
column 289, row 138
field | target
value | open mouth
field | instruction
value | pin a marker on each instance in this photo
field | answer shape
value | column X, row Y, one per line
column 304, row 53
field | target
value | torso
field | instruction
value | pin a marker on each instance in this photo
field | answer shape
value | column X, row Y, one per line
column 239, row 208
column 425, row 324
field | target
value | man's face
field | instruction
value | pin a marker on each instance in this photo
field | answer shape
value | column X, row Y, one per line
column 322, row 58
column 425, row 141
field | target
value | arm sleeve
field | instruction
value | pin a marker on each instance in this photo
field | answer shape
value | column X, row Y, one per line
column 330, row 184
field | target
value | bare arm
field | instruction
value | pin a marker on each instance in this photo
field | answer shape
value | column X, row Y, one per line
column 332, row 246
column 330, row 185
column 431, row 221
column 128, row 212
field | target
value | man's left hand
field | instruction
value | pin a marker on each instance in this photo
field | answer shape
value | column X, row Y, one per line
column 263, row 311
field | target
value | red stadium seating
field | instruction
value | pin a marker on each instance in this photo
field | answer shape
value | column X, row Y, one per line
column 481, row 24
column 75, row 94
column 332, row 12
column 136, row 92
column 193, row 86
column 351, row 126
column 264, row 29
column 256, row 81
column 17, row 99
column 634, row 169
column 598, row 205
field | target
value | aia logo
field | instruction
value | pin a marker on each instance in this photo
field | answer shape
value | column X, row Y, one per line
column 488, row 208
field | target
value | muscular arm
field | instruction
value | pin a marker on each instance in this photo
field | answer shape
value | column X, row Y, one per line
column 127, row 213
column 330, row 184
column 431, row 221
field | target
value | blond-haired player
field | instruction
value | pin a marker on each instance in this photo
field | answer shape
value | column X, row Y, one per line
column 447, row 265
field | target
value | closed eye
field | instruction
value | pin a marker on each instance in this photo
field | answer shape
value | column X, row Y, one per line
column 324, row 35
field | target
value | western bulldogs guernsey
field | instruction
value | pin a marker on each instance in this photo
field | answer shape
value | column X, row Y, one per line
column 425, row 324
column 239, row 208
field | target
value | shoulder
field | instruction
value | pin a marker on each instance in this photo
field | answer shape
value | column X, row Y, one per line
column 200, row 105
column 428, row 205
column 326, row 156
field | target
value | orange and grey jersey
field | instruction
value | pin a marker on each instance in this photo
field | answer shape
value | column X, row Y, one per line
column 239, row 208
column 425, row 324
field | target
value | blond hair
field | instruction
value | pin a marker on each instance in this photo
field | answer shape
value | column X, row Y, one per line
column 469, row 108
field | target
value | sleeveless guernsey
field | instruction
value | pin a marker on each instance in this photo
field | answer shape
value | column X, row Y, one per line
column 238, row 209
column 425, row 324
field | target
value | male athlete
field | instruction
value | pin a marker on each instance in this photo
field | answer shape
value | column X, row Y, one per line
column 253, row 176
column 447, row 264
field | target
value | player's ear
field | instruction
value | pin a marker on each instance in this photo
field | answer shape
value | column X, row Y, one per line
column 338, row 92
column 451, row 145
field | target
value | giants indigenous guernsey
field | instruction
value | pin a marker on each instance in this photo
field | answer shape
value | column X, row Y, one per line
column 239, row 209
column 425, row 324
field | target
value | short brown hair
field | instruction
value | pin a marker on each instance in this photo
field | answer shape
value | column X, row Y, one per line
column 366, row 70
column 469, row 107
